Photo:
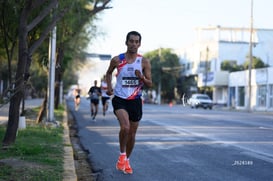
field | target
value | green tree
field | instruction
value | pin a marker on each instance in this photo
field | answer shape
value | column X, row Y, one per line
column 165, row 71
column 8, row 42
column 36, row 19
column 231, row 66
column 256, row 63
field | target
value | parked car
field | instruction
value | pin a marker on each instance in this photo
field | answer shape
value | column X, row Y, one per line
column 200, row 100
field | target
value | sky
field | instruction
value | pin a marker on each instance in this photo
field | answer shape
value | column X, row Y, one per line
column 172, row 23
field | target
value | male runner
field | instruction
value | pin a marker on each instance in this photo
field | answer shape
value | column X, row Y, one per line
column 133, row 71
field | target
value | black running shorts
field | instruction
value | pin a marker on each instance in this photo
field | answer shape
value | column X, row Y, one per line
column 104, row 99
column 133, row 107
column 95, row 101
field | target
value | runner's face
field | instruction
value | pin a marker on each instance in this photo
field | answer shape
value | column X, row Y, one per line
column 133, row 44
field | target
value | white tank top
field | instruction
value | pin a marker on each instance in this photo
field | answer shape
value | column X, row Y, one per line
column 104, row 89
column 128, row 86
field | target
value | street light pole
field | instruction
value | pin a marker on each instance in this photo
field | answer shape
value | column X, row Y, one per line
column 159, row 81
column 206, row 68
column 159, row 89
column 51, row 78
column 250, row 56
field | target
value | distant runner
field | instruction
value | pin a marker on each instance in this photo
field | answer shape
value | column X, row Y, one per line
column 94, row 93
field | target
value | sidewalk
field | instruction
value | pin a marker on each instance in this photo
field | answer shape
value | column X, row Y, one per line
column 29, row 103
column 4, row 112
column 69, row 166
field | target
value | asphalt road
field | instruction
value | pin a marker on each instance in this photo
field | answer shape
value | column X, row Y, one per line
column 180, row 143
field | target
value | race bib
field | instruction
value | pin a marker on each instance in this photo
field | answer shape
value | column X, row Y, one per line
column 94, row 96
column 130, row 81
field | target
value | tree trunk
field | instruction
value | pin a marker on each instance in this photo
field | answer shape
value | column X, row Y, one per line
column 18, row 93
column 42, row 111
column 56, row 94
column 58, row 75
column 13, row 120
column 23, row 103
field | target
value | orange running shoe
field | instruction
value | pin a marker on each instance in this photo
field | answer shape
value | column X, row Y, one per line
column 121, row 163
column 128, row 168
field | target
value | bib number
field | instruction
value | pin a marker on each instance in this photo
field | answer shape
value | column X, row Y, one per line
column 130, row 82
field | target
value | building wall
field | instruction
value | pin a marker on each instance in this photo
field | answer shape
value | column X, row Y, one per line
column 261, row 89
column 216, row 44
column 227, row 44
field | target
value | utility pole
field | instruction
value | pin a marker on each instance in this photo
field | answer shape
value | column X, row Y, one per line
column 250, row 56
column 159, row 81
column 159, row 89
column 61, row 92
column 51, row 78
column 206, row 69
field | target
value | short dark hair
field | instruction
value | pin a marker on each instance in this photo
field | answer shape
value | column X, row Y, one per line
column 133, row 33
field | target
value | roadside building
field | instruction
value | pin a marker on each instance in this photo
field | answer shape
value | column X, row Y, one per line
column 215, row 44
column 261, row 86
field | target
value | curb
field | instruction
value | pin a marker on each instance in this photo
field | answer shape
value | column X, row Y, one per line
column 69, row 173
column 69, row 170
